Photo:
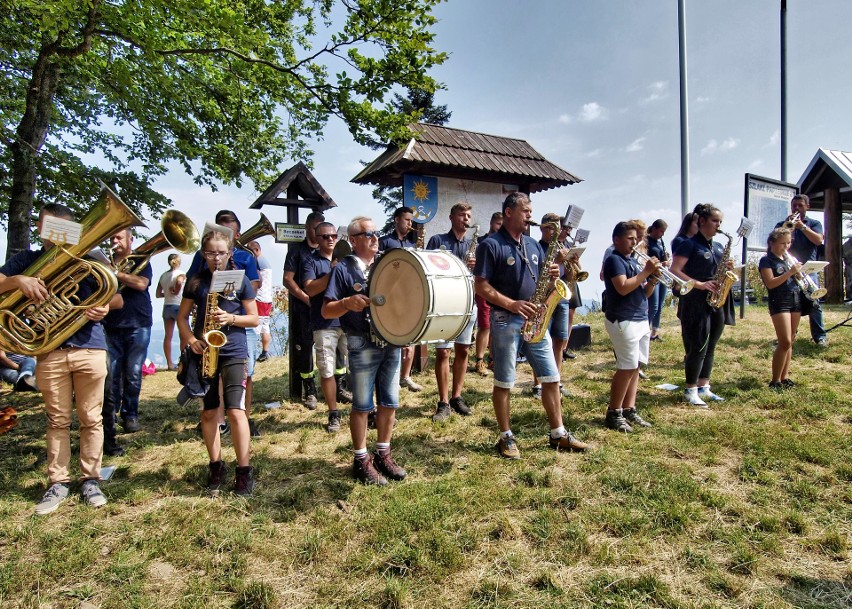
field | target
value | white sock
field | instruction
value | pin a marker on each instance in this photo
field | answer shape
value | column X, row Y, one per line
column 382, row 447
column 360, row 453
column 507, row 434
column 558, row 432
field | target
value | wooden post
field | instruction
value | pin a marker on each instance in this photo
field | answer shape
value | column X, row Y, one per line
column 295, row 379
column 833, row 220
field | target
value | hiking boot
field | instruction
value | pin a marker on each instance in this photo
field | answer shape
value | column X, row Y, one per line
column 113, row 448
column 442, row 412
column 254, row 432
column 508, row 448
column 91, row 493
column 481, row 368
column 56, row 494
column 615, row 420
column 410, row 384
column 333, row 425
column 387, row 466
column 371, row 419
column 633, row 417
column 536, row 392
column 244, row 481
column 567, row 442
column 130, row 425
column 264, row 355
column 365, row 472
column 216, row 477
column 26, row 383
column 310, row 401
column 459, row 406
column 344, row 396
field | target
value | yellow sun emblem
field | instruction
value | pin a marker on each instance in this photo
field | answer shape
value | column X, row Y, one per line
column 420, row 191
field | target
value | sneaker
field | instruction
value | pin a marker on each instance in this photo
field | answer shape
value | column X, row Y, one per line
column 224, row 428
column 371, row 419
column 642, row 375
column 708, row 396
column 564, row 391
column 776, row 385
column 113, row 448
column 387, row 466
column 822, row 342
column 633, row 417
column 344, row 396
column 481, row 368
column 56, row 494
column 459, row 406
column 26, row 383
column 657, row 338
column 787, row 383
column 310, row 401
column 568, row 354
column 442, row 412
column 333, row 425
column 615, row 420
column 365, row 472
column 216, row 477
column 508, row 448
column 410, row 385
column 264, row 355
column 254, row 432
column 244, row 481
column 91, row 493
column 567, row 442
column 521, row 359
column 536, row 392
column 691, row 397
column 130, row 425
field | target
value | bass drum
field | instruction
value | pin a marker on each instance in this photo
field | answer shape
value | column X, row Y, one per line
column 419, row 296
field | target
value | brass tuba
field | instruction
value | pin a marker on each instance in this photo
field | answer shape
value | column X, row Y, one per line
column 33, row 329
column 178, row 232
column 261, row 228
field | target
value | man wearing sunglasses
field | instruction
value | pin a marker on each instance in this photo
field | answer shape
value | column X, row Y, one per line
column 374, row 368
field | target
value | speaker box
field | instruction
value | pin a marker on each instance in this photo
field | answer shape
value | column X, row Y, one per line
column 581, row 336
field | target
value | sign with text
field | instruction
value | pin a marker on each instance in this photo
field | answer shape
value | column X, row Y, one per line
column 289, row 233
column 767, row 202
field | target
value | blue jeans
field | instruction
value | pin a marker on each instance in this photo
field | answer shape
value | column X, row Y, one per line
column 26, row 367
column 373, row 370
column 656, row 302
column 127, row 350
column 505, row 342
column 815, row 316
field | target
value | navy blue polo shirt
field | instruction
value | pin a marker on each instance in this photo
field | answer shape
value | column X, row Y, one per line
column 91, row 335
column 347, row 279
column 316, row 266
column 243, row 260
column 449, row 243
column 293, row 264
column 137, row 311
column 801, row 248
column 197, row 290
column 656, row 248
column 511, row 267
column 392, row 242
column 702, row 256
column 778, row 267
column 677, row 241
column 632, row 306
column 544, row 245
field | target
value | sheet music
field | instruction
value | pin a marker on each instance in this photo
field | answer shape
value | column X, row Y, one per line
column 227, row 281
column 745, row 228
column 577, row 249
column 582, row 235
column 573, row 216
column 812, row 266
column 60, row 231
column 209, row 227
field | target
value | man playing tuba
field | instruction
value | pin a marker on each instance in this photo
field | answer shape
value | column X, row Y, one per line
column 74, row 372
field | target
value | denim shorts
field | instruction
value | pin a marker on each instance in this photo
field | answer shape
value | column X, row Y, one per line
column 559, row 321
column 631, row 341
column 373, row 371
column 505, row 341
column 170, row 312
column 327, row 343
column 466, row 336
column 251, row 344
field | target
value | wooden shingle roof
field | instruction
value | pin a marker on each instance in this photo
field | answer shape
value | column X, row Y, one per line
column 300, row 189
column 447, row 152
column 828, row 169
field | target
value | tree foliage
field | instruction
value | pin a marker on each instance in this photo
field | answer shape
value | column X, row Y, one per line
column 228, row 90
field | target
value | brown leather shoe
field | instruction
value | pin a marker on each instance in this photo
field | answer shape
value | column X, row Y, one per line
column 386, row 465
column 568, row 442
column 365, row 472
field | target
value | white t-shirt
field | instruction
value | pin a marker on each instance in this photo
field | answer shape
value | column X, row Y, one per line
column 167, row 280
column 264, row 294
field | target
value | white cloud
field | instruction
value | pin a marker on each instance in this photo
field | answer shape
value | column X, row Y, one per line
column 714, row 146
column 594, row 154
column 591, row 112
column 565, row 119
column 775, row 138
column 636, row 145
column 658, row 90
column 701, row 99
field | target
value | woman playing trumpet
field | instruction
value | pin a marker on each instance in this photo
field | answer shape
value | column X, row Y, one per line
column 778, row 272
column 233, row 314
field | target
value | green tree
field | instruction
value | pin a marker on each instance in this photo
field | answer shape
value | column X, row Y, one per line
column 228, row 90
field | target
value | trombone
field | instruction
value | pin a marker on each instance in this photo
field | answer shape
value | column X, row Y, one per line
column 666, row 277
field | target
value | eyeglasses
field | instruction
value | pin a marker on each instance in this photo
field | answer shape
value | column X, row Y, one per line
column 369, row 234
column 330, row 237
column 214, row 255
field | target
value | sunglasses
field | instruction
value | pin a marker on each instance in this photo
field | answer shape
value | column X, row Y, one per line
column 330, row 237
column 369, row 234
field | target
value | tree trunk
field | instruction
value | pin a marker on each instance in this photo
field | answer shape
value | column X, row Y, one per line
column 31, row 134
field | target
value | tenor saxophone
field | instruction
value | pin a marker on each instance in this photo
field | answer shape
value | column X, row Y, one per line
column 213, row 336
column 724, row 278
column 544, row 298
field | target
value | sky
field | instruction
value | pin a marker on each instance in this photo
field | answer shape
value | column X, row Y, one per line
column 594, row 87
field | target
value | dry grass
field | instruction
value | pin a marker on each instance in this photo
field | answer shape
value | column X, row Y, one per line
column 747, row 505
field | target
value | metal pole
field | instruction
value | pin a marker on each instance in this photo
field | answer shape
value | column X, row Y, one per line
column 783, row 90
column 684, row 120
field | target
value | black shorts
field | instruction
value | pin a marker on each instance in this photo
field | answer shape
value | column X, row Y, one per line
column 786, row 302
column 232, row 371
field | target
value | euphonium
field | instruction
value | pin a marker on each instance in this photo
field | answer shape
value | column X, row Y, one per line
column 724, row 278
column 213, row 336
column 178, row 232
column 260, row 229
column 810, row 290
column 666, row 277
column 33, row 329
column 545, row 299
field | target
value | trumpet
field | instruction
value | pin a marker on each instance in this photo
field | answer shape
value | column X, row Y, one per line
column 810, row 290
column 666, row 277
column 791, row 220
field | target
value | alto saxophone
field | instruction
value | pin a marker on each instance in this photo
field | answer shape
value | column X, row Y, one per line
column 471, row 249
column 724, row 278
column 213, row 336
column 421, row 238
column 545, row 299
